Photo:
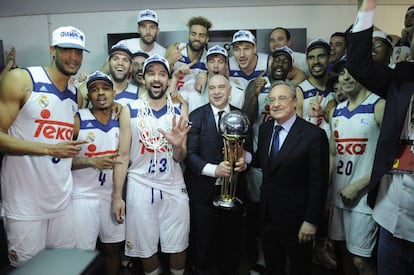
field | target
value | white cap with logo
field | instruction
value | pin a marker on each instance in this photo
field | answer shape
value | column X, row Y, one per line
column 156, row 59
column 383, row 35
column 98, row 76
column 243, row 36
column 147, row 15
column 216, row 49
column 69, row 37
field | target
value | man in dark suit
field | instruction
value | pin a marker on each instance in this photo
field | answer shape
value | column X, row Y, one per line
column 392, row 183
column 215, row 233
column 295, row 181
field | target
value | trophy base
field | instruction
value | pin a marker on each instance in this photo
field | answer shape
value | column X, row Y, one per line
column 227, row 204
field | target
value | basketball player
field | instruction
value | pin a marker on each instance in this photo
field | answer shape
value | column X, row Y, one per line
column 153, row 141
column 37, row 107
column 92, row 173
column 355, row 125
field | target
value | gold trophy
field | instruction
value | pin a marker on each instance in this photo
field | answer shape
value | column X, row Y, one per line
column 234, row 127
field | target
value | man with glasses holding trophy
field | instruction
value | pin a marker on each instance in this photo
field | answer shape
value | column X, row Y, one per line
column 211, row 178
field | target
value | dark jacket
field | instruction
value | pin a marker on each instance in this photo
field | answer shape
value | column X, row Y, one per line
column 294, row 187
column 395, row 85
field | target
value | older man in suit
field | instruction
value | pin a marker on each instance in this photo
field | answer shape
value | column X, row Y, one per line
column 294, row 158
column 215, row 232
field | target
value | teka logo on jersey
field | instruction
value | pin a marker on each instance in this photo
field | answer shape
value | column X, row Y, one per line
column 350, row 146
column 52, row 129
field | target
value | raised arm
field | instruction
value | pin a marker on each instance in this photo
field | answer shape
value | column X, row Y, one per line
column 375, row 76
column 253, row 89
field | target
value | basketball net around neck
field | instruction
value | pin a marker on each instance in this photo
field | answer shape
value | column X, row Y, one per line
column 148, row 134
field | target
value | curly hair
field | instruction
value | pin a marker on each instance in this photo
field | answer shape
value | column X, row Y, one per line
column 200, row 20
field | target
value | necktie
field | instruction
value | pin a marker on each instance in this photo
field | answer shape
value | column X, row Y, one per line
column 220, row 114
column 275, row 142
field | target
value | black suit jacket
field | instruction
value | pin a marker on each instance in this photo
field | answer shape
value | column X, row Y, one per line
column 295, row 185
column 204, row 145
column 395, row 85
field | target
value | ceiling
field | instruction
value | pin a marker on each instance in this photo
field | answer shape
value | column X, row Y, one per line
column 37, row 7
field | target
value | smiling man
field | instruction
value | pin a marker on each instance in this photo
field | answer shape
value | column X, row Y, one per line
column 216, row 232
column 148, row 30
column 92, row 174
column 37, row 108
column 355, row 123
column 291, row 203
column 315, row 94
column 153, row 137
column 191, row 53
column 120, row 68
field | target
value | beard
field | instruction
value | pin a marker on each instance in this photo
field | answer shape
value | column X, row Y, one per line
column 61, row 68
column 145, row 41
column 155, row 96
column 319, row 74
column 196, row 48
column 115, row 78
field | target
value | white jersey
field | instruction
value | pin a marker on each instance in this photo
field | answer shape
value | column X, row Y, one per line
column 102, row 140
column 309, row 95
column 299, row 61
column 198, row 67
column 241, row 79
column 356, row 133
column 127, row 96
column 193, row 97
column 254, row 176
column 133, row 44
column 40, row 187
column 237, row 95
column 151, row 156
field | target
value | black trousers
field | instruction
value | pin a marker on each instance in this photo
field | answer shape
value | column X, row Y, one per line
column 215, row 239
column 284, row 254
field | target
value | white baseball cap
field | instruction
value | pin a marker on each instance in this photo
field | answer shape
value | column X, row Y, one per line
column 243, row 36
column 98, row 76
column 216, row 49
column 318, row 43
column 69, row 37
column 284, row 50
column 156, row 59
column 383, row 35
column 147, row 15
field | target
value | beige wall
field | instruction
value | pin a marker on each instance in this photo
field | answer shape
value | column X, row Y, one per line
column 30, row 34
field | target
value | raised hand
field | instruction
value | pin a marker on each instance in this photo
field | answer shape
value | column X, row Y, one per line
column 184, row 69
column 173, row 53
column 178, row 135
column 11, row 58
column 260, row 82
column 315, row 108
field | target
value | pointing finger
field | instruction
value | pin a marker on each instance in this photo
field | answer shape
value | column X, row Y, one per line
column 262, row 74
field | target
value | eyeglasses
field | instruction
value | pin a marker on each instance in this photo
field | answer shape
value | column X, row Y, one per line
column 280, row 99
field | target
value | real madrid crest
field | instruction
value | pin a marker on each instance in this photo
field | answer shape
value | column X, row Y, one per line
column 43, row 101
